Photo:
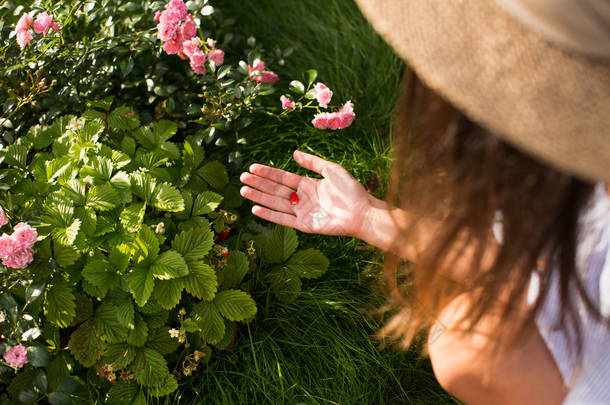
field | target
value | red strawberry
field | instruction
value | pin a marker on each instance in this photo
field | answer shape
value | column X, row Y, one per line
column 294, row 198
column 223, row 235
column 225, row 255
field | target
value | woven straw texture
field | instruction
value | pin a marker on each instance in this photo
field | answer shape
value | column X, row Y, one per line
column 551, row 103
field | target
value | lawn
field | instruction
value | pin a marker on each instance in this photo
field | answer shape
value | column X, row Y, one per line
column 321, row 349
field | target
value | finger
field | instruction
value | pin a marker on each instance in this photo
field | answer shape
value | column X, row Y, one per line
column 274, row 216
column 279, row 176
column 266, row 186
column 312, row 162
column 271, row 201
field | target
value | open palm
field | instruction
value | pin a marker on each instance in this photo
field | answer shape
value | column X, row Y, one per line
column 334, row 205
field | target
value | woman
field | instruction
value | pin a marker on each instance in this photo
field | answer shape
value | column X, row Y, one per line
column 498, row 195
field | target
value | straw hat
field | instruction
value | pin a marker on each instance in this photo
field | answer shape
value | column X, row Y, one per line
column 535, row 72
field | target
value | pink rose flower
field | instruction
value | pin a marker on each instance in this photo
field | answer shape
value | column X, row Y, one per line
column 167, row 31
column 54, row 26
column 323, row 94
column 286, row 103
column 347, row 115
column 43, row 23
column 157, row 16
column 188, row 29
column 19, row 259
column 3, row 218
column 320, row 121
column 257, row 69
column 17, row 356
column 211, row 43
column 267, row 77
column 257, row 73
column 190, row 46
column 334, row 121
column 24, row 235
column 24, row 38
column 173, row 46
column 217, row 56
column 7, row 245
column 198, row 58
column 171, row 17
column 179, row 7
column 24, row 23
column 200, row 70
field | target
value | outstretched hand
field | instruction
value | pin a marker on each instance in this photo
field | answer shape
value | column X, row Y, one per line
column 337, row 204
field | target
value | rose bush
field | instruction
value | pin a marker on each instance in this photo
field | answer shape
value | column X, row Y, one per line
column 125, row 254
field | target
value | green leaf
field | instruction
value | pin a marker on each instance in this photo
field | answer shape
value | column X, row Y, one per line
column 146, row 246
column 235, row 270
column 165, row 129
column 16, row 155
column 88, row 219
column 34, row 291
column 143, row 185
column 141, row 283
column 101, row 274
column 168, row 386
column 235, row 305
column 309, row 263
column 103, row 198
column 149, row 367
column 26, row 396
column 103, row 104
column 163, row 342
column 168, row 292
column 311, row 75
column 215, row 174
column 108, row 323
column 211, row 323
column 281, row 244
column 227, row 338
column 167, row 198
column 297, row 87
column 205, row 203
column 59, row 369
column 123, row 118
column 192, row 154
column 194, row 243
column 119, row 256
column 146, row 138
column 99, row 168
column 59, row 398
column 41, row 382
column 120, row 355
column 66, row 235
column 60, row 305
column 285, row 284
column 85, row 345
column 132, row 217
column 201, row 281
column 139, row 335
column 169, row 264
column 37, row 356
column 125, row 313
column 126, row 393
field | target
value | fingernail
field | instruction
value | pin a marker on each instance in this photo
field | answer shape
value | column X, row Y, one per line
column 252, row 167
column 243, row 191
column 242, row 176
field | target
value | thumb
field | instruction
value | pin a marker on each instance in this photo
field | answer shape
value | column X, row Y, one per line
column 312, row 162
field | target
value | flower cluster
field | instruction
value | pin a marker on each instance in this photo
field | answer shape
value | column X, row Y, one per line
column 178, row 30
column 43, row 23
column 16, row 357
column 335, row 120
column 16, row 249
column 325, row 120
column 257, row 73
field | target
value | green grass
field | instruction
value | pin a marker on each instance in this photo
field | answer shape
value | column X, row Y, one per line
column 321, row 349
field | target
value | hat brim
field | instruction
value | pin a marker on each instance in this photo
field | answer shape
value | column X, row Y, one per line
column 552, row 103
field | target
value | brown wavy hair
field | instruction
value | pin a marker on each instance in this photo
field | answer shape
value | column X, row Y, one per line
column 449, row 168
